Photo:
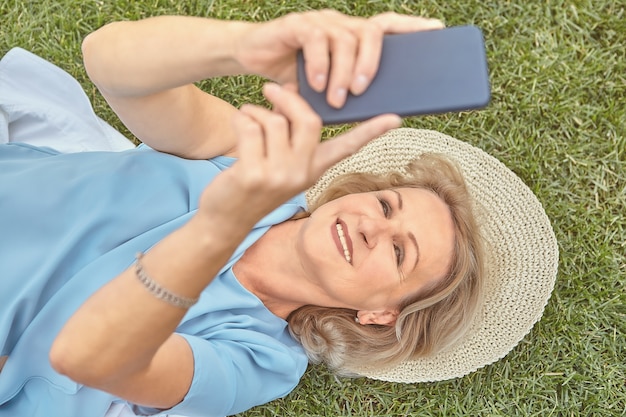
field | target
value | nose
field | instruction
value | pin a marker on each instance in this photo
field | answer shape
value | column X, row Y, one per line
column 373, row 229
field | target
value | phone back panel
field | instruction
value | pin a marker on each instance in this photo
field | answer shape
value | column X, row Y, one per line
column 420, row 73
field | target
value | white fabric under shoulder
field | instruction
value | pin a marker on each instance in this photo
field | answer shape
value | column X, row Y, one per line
column 123, row 410
column 43, row 105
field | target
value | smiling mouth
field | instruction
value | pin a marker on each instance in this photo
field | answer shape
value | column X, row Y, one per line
column 344, row 242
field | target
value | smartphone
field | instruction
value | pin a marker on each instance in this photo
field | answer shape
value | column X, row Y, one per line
column 429, row 72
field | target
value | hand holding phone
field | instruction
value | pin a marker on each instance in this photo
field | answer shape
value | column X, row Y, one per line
column 424, row 72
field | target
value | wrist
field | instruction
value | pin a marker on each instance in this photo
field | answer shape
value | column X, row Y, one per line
column 223, row 42
column 212, row 230
column 187, row 260
column 240, row 34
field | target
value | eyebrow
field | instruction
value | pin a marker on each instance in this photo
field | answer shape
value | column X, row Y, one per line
column 399, row 197
column 411, row 235
column 417, row 250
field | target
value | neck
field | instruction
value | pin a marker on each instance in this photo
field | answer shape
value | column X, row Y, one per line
column 270, row 269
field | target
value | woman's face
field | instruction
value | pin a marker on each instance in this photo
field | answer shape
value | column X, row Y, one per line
column 369, row 251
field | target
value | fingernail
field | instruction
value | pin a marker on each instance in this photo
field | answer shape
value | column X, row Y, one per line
column 436, row 22
column 320, row 82
column 360, row 84
column 340, row 96
column 272, row 88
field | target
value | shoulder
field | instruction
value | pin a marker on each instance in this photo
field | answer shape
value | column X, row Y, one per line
column 231, row 376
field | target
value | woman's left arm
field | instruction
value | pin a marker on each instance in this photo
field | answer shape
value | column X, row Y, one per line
column 146, row 69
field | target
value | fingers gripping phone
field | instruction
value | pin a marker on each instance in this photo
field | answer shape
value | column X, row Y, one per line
column 420, row 73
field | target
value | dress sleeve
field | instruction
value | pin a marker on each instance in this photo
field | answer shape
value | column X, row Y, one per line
column 231, row 375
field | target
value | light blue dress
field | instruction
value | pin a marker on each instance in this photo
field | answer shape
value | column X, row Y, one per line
column 69, row 223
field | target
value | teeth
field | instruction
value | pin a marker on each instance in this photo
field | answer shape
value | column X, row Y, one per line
column 342, row 239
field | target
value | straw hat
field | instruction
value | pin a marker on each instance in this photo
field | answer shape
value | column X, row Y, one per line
column 521, row 254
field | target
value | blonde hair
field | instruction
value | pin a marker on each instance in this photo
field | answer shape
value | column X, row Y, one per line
column 428, row 323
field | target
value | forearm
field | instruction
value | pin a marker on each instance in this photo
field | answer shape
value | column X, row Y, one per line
column 142, row 57
column 119, row 330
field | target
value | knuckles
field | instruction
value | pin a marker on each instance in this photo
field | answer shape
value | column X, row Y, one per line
column 317, row 34
column 274, row 182
column 372, row 31
column 312, row 121
column 345, row 37
column 249, row 129
column 276, row 123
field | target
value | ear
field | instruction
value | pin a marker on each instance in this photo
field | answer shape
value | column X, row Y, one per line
column 382, row 317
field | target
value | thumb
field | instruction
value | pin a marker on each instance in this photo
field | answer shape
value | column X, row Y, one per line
column 331, row 151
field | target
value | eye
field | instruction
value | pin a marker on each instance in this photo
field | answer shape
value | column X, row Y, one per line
column 386, row 207
column 398, row 251
column 399, row 254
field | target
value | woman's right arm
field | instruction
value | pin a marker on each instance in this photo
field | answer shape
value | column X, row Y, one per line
column 122, row 340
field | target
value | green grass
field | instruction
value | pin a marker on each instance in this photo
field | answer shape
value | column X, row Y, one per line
column 557, row 118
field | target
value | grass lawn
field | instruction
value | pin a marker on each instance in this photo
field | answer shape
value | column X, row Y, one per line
column 557, row 118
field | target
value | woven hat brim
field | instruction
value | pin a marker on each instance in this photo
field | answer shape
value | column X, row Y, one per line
column 521, row 252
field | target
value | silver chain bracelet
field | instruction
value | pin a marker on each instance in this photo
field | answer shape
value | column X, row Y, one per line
column 158, row 291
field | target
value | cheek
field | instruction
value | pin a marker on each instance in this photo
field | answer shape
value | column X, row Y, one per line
column 377, row 273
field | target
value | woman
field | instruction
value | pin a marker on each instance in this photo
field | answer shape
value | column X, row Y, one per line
column 173, row 330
